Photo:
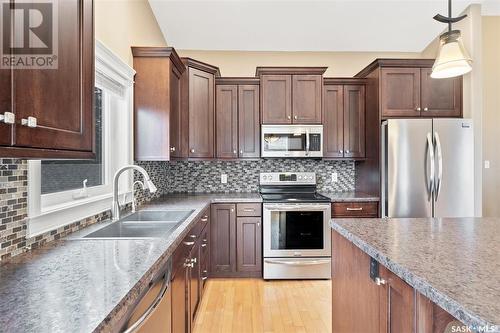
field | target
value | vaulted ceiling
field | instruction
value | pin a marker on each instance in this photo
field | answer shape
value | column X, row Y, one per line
column 335, row 25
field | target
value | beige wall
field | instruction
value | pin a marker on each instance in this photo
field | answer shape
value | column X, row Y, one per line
column 243, row 63
column 491, row 114
column 120, row 24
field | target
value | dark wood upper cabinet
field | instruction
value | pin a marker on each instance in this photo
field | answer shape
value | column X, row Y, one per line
column 400, row 92
column 198, row 98
column 249, row 244
column 248, row 121
column 354, row 121
column 157, row 113
column 440, row 97
column 333, row 121
column 306, row 99
column 223, row 239
column 60, row 99
column 276, row 99
column 226, row 121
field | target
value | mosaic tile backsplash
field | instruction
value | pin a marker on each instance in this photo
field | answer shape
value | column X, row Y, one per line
column 243, row 175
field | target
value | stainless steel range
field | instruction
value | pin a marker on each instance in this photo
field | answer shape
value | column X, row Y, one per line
column 297, row 239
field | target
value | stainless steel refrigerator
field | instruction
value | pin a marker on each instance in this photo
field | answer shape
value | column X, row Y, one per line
column 427, row 168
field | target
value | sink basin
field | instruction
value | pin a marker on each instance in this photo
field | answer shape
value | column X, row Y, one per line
column 123, row 229
column 159, row 215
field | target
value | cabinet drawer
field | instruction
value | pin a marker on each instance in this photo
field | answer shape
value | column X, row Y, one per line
column 355, row 209
column 249, row 209
column 204, row 241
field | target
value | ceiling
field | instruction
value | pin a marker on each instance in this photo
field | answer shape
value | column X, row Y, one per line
column 335, row 25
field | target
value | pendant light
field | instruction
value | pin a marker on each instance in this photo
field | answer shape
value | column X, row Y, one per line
column 453, row 59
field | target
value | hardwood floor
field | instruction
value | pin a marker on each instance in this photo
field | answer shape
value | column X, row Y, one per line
column 255, row 305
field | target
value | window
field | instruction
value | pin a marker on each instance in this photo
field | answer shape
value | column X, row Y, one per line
column 60, row 175
column 56, row 193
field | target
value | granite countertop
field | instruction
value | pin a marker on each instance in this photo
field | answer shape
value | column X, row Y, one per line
column 88, row 285
column 454, row 262
column 350, row 196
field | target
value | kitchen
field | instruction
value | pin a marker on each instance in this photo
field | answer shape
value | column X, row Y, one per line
column 273, row 171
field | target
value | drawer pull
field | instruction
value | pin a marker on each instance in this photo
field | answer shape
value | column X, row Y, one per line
column 192, row 236
column 204, row 245
column 204, row 219
column 204, row 278
column 188, row 243
column 354, row 209
column 248, row 209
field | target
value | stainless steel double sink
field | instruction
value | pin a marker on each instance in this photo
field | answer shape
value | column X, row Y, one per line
column 143, row 224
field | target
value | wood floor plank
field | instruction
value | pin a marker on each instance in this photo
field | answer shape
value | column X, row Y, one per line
column 255, row 306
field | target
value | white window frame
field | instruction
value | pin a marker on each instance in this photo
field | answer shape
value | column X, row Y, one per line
column 51, row 211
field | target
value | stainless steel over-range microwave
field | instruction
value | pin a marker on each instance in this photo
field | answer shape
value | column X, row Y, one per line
column 292, row 141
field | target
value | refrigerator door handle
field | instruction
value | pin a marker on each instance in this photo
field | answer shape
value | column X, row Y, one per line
column 440, row 164
column 430, row 149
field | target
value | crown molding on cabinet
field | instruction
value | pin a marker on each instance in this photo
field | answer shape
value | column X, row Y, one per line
column 385, row 62
column 238, row 80
column 202, row 66
column 168, row 52
column 290, row 70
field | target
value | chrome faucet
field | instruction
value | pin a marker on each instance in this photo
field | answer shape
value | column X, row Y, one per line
column 115, row 208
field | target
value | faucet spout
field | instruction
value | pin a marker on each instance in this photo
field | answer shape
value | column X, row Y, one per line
column 115, row 209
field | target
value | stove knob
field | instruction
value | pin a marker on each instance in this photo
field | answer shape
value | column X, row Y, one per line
column 310, row 177
column 264, row 177
column 300, row 177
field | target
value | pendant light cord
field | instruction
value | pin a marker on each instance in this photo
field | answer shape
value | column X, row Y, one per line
column 449, row 15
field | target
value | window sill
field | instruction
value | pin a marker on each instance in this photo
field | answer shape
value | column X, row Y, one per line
column 58, row 216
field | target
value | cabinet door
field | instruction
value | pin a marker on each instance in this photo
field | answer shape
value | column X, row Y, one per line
column 355, row 297
column 204, row 258
column 249, row 244
column 354, row 121
column 5, row 105
column 61, row 99
column 248, row 121
column 306, row 97
column 223, row 237
column 397, row 304
column 333, row 121
column 276, row 99
column 440, row 97
column 175, row 115
column 400, row 92
column 194, row 280
column 180, row 306
column 226, row 120
column 201, row 114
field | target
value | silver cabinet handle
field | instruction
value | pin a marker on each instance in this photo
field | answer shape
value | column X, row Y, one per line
column 347, row 151
column 241, row 151
column 152, row 307
column 187, row 265
column 258, row 224
column 232, row 209
column 7, row 118
column 379, row 281
column 204, row 219
column 204, row 278
column 295, row 117
column 192, row 150
column 188, row 243
column 430, row 147
column 192, row 236
column 341, row 151
column 204, row 245
column 248, row 209
column 440, row 164
column 205, row 271
column 235, row 152
column 29, row 122
column 172, row 149
column 289, row 117
column 194, row 260
column 426, row 109
column 354, row 209
column 418, row 108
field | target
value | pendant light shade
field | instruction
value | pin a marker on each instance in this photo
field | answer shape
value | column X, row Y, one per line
column 453, row 59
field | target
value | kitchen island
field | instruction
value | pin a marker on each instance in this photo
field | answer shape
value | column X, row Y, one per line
column 425, row 265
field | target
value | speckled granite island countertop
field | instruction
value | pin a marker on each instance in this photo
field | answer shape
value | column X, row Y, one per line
column 88, row 285
column 453, row 262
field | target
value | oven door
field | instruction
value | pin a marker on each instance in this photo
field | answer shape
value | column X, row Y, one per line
column 292, row 141
column 296, row 230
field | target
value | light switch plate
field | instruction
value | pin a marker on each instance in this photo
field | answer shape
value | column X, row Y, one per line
column 486, row 164
column 335, row 177
column 223, row 178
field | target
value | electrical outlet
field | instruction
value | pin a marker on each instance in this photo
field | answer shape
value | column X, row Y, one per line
column 335, row 177
column 486, row 164
column 223, row 178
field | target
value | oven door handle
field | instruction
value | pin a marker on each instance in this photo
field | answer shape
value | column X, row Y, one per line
column 282, row 207
column 297, row 262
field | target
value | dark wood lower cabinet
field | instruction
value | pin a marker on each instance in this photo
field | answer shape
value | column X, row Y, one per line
column 238, row 239
column 361, row 305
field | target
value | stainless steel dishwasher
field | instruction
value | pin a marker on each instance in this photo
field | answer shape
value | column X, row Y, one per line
column 153, row 313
